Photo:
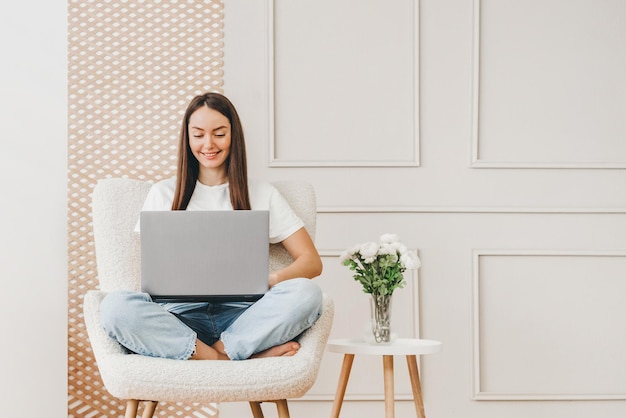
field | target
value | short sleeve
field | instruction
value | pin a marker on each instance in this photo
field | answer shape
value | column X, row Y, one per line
column 283, row 220
column 159, row 197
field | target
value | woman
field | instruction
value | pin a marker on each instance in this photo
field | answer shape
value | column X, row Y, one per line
column 212, row 175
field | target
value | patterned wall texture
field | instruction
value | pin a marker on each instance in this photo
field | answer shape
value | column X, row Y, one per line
column 133, row 66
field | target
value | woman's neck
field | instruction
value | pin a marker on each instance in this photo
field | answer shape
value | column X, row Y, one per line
column 212, row 178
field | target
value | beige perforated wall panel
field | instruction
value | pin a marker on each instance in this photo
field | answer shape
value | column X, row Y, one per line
column 132, row 68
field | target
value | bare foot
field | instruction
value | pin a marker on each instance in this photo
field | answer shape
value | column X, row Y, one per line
column 216, row 351
column 283, row 350
column 205, row 352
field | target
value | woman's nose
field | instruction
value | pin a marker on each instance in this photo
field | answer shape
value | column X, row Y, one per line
column 207, row 142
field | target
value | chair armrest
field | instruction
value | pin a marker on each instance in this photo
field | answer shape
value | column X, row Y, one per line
column 101, row 343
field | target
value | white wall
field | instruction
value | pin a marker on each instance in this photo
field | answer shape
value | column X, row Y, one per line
column 514, row 201
column 33, row 219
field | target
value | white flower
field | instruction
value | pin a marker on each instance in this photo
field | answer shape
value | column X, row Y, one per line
column 349, row 254
column 368, row 251
column 399, row 247
column 379, row 266
column 410, row 261
column 389, row 238
column 386, row 248
column 346, row 255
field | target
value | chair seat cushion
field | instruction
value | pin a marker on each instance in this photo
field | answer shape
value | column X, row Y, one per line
column 131, row 376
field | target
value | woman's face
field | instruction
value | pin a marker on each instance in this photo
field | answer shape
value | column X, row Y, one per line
column 209, row 141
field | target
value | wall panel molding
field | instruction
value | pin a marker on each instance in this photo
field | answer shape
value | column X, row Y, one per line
column 479, row 393
column 479, row 161
column 410, row 159
column 467, row 209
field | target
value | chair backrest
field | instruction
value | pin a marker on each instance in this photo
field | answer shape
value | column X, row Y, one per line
column 116, row 203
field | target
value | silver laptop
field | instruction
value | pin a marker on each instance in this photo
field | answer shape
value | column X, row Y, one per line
column 204, row 255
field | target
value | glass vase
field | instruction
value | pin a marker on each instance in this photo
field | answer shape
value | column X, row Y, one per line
column 380, row 309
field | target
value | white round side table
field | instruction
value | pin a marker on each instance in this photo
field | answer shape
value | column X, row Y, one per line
column 402, row 346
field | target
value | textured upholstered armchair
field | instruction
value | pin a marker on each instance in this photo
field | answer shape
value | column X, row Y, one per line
column 116, row 204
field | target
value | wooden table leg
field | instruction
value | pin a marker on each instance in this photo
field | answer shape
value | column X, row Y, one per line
column 389, row 391
column 416, row 386
column 341, row 386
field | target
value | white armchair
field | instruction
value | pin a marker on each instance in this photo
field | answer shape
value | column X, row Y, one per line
column 116, row 204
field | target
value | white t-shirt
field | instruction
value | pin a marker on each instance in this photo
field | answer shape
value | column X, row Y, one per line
column 263, row 196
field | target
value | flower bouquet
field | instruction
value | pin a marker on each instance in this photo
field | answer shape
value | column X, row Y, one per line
column 379, row 268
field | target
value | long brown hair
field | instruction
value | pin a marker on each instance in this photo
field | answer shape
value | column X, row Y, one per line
column 188, row 168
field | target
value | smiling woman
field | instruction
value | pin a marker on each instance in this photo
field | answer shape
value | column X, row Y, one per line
column 212, row 149
column 210, row 144
column 212, row 175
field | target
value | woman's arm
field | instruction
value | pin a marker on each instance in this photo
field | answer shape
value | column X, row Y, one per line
column 306, row 260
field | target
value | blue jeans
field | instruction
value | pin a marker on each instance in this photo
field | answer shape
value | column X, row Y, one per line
column 170, row 330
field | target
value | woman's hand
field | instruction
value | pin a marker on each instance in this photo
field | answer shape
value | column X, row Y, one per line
column 273, row 279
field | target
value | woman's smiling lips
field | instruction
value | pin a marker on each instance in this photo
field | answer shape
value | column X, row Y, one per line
column 210, row 155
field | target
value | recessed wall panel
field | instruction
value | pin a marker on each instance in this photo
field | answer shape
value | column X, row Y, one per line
column 550, row 325
column 344, row 94
column 550, row 84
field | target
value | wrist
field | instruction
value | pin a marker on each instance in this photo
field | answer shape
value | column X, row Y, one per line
column 274, row 278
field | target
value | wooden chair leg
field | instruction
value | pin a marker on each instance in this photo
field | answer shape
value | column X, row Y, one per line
column 131, row 408
column 281, row 406
column 148, row 409
column 132, row 405
column 257, row 412
column 283, row 409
